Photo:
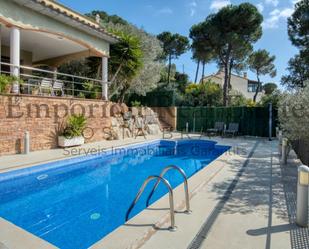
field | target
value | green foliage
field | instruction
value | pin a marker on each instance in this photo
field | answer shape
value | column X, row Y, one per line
column 298, row 30
column 203, row 94
column 174, row 45
column 261, row 63
column 75, row 126
column 126, row 62
column 272, row 98
column 298, row 72
column 298, row 25
column 293, row 114
column 269, row 88
column 5, row 82
column 81, row 95
column 182, row 81
column 92, row 90
column 238, row 99
column 105, row 18
column 229, row 34
column 136, row 103
column 147, row 74
column 164, row 74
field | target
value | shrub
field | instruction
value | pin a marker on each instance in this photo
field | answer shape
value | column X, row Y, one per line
column 93, row 90
column 205, row 94
column 5, row 82
column 273, row 98
column 75, row 125
column 294, row 114
column 136, row 103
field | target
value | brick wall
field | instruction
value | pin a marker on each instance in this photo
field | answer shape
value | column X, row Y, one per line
column 43, row 117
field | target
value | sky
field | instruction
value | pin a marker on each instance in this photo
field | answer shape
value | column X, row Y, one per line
column 177, row 16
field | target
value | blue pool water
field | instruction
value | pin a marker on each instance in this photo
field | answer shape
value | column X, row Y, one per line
column 76, row 202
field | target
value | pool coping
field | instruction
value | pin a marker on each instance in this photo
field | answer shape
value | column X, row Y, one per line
column 161, row 217
column 10, row 233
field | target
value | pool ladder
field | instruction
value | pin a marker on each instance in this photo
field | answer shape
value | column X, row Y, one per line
column 170, row 191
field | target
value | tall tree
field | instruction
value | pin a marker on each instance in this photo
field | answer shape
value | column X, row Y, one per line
column 261, row 63
column 298, row 25
column 298, row 72
column 269, row 88
column 174, row 45
column 201, row 53
column 298, row 30
column 231, row 29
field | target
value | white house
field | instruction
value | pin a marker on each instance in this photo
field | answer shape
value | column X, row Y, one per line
column 239, row 84
column 43, row 32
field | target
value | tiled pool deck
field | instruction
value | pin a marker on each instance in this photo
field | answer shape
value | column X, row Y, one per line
column 244, row 199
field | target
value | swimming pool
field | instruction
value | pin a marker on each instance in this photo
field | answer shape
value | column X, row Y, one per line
column 76, row 202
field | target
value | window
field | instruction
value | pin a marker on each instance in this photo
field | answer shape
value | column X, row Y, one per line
column 252, row 86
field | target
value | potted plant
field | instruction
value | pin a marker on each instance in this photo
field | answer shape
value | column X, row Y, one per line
column 93, row 90
column 72, row 134
column 6, row 83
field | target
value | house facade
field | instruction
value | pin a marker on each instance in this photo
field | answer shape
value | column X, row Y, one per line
column 45, row 33
column 239, row 84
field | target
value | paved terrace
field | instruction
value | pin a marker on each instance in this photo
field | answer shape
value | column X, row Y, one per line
column 245, row 199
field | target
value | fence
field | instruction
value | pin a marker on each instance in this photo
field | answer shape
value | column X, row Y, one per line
column 38, row 81
column 253, row 121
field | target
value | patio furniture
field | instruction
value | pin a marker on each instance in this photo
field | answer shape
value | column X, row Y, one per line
column 46, row 84
column 218, row 129
column 232, row 130
column 30, row 86
column 58, row 87
column 140, row 127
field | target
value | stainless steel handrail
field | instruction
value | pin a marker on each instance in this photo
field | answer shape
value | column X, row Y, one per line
column 171, row 199
column 186, row 188
column 52, row 72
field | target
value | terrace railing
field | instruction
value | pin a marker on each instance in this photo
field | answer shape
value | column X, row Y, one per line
column 39, row 81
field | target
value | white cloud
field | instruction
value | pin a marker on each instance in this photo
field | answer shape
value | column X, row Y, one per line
column 192, row 6
column 165, row 11
column 260, row 7
column 276, row 16
column 272, row 2
column 218, row 4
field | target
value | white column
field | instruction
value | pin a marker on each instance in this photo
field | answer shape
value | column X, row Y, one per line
column 15, row 55
column 105, row 78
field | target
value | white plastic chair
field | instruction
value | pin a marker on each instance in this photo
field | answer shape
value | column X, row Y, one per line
column 46, row 84
column 58, row 87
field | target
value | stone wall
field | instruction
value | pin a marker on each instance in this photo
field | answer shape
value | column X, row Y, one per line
column 167, row 114
column 43, row 117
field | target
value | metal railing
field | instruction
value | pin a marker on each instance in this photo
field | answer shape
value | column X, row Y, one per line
column 186, row 188
column 171, row 199
column 73, row 85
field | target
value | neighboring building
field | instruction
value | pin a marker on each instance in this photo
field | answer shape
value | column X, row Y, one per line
column 239, row 84
column 43, row 32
